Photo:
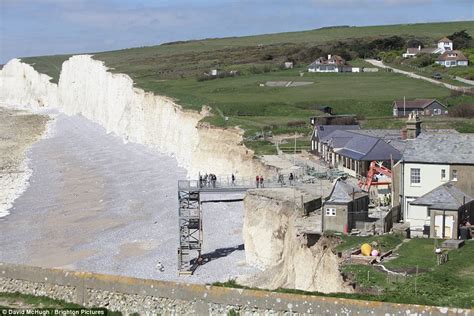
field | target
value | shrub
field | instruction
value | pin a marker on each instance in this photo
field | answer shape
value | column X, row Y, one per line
column 463, row 110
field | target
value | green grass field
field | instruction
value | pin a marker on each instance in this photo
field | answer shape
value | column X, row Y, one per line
column 450, row 284
column 172, row 70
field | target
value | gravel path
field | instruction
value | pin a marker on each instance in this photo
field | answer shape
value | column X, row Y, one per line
column 380, row 64
column 97, row 204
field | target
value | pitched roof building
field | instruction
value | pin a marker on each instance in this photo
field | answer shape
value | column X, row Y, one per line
column 452, row 59
column 424, row 107
column 441, row 211
column 444, row 197
column 351, row 150
column 333, row 63
column 443, row 45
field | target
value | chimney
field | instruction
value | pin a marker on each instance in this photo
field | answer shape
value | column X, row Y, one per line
column 404, row 133
column 329, row 56
column 413, row 125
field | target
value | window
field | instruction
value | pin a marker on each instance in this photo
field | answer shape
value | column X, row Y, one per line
column 443, row 174
column 330, row 211
column 436, row 111
column 415, row 177
column 454, row 175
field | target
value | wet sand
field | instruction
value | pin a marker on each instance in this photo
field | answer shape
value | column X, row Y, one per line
column 97, row 204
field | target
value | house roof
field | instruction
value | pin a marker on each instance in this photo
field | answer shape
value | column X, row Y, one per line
column 427, row 50
column 390, row 136
column 361, row 147
column 444, row 197
column 445, row 40
column 334, row 60
column 343, row 192
column 415, row 104
column 452, row 55
column 448, row 148
column 323, row 131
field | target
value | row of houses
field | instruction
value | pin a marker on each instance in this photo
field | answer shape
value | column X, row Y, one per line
column 448, row 56
column 431, row 172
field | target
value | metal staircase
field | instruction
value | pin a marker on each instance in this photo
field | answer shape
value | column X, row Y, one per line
column 190, row 229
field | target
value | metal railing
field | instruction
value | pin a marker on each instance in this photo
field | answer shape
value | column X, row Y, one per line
column 226, row 183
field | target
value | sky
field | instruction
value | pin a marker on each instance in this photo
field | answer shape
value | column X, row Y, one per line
column 47, row 27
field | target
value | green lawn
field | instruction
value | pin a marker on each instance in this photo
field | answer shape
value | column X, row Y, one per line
column 172, row 70
column 385, row 242
column 451, row 284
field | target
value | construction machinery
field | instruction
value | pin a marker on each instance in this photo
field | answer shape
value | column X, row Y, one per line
column 373, row 174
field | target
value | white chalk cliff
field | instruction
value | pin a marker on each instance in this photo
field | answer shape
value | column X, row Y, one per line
column 86, row 87
column 273, row 245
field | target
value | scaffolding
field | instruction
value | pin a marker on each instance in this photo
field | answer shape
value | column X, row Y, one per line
column 190, row 229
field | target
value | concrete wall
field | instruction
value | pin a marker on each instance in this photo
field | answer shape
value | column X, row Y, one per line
column 168, row 298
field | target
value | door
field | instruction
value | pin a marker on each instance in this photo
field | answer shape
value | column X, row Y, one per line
column 448, row 226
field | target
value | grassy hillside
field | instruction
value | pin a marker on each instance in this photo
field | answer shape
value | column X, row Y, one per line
column 174, row 69
column 143, row 61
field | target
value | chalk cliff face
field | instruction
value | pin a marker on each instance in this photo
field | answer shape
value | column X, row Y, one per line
column 86, row 87
column 273, row 245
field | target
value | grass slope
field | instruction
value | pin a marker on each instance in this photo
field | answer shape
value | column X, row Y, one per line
column 450, row 284
column 171, row 70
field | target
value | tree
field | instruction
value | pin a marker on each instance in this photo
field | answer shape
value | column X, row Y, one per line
column 460, row 39
column 414, row 43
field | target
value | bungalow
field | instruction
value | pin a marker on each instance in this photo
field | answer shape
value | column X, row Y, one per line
column 346, row 208
column 345, row 148
column 444, row 44
column 333, row 63
column 425, row 107
column 321, row 132
column 441, row 211
column 452, row 59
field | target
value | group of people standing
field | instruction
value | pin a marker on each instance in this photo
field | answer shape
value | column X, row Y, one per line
column 208, row 180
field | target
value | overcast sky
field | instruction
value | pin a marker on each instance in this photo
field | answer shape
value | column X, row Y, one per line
column 45, row 27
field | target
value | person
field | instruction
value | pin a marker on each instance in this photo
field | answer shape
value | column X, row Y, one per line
column 233, row 179
column 281, row 180
column 291, row 178
column 257, row 180
column 200, row 181
column 213, row 180
column 205, row 179
column 261, row 181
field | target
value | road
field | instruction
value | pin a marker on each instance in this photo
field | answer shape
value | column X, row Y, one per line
column 380, row 64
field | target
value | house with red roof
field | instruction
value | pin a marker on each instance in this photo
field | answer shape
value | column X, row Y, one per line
column 333, row 63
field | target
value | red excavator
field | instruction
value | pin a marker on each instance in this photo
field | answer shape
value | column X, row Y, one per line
column 371, row 179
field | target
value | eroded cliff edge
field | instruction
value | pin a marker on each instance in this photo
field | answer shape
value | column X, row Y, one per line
column 86, row 87
column 274, row 242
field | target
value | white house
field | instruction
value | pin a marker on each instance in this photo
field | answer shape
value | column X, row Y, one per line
column 452, row 58
column 444, row 44
column 430, row 160
column 333, row 63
